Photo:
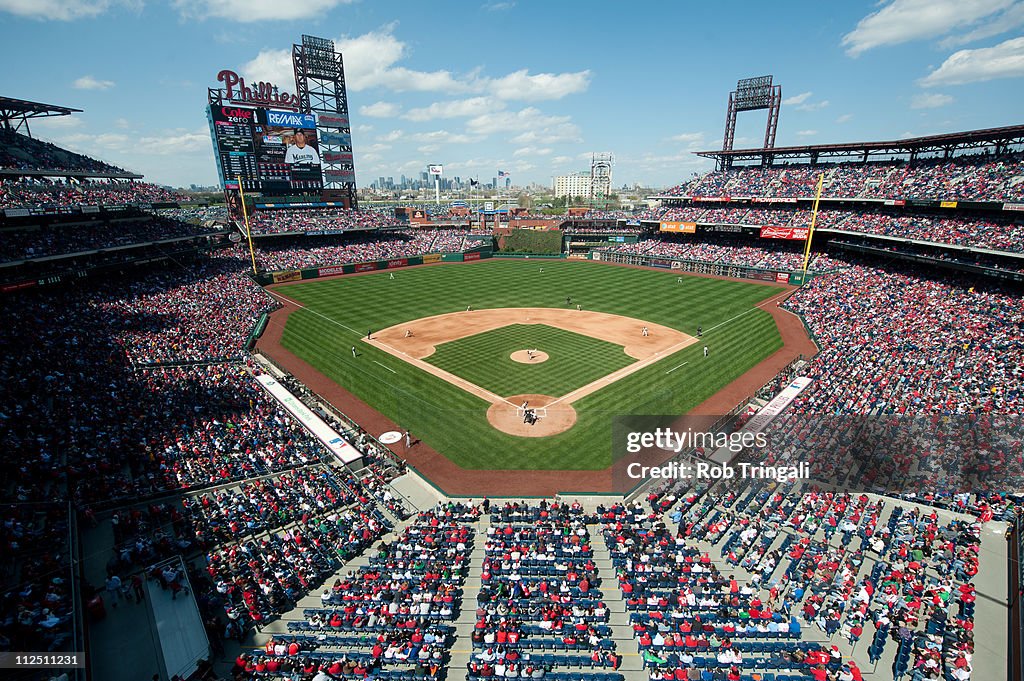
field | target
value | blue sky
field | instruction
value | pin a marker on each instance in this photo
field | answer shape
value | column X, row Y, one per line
column 532, row 87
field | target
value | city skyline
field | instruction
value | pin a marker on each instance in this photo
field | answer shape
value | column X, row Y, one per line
column 458, row 88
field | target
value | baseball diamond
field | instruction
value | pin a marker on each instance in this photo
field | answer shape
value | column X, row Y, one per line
column 418, row 379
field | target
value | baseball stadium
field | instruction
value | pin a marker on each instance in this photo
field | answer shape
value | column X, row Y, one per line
column 763, row 424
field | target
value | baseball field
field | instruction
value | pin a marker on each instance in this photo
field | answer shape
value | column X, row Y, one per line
column 457, row 353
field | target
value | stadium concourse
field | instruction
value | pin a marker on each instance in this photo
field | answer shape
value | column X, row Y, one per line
column 136, row 428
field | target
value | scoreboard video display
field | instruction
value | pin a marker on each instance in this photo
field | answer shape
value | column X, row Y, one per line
column 273, row 152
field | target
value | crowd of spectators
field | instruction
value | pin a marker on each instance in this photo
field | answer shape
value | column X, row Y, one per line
column 363, row 248
column 198, row 215
column 976, row 178
column 52, row 193
column 849, row 566
column 978, row 233
column 20, row 152
column 767, row 254
column 51, row 239
column 395, row 614
column 287, row 220
column 910, row 341
column 996, row 234
column 200, row 314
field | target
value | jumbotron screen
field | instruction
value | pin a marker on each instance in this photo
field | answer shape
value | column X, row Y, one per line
column 273, row 152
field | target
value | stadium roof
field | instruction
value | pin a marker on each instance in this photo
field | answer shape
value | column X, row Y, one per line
column 22, row 109
column 946, row 144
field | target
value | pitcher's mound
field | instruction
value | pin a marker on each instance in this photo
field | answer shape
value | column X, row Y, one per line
column 508, row 418
column 523, row 357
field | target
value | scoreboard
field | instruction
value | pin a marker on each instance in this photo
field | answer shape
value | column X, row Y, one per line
column 273, row 152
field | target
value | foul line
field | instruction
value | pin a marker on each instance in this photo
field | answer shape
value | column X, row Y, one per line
column 608, row 379
column 458, row 381
column 743, row 314
column 386, row 367
column 678, row 367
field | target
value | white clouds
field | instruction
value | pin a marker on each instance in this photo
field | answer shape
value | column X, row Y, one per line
column 560, row 160
column 380, row 110
column 562, row 132
column 248, row 11
column 520, row 85
column 271, row 65
column 797, row 99
column 392, row 136
column 57, row 123
column 530, row 151
column 458, row 108
column 902, row 21
column 369, row 62
column 930, row 101
column 499, row 6
column 165, row 143
column 1012, row 18
column 61, row 10
column 372, row 61
column 844, row 118
column 802, row 102
column 174, row 142
column 693, row 139
column 1005, row 60
column 90, row 83
column 529, row 118
column 807, row 133
column 442, row 137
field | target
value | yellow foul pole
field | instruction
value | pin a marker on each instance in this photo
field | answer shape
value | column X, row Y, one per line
column 814, row 220
column 248, row 231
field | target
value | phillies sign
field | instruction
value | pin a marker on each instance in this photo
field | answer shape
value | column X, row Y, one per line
column 790, row 233
column 236, row 90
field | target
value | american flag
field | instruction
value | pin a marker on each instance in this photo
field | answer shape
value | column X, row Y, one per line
column 504, row 173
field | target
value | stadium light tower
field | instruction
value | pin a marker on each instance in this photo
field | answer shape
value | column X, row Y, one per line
column 320, row 85
column 600, row 178
column 752, row 94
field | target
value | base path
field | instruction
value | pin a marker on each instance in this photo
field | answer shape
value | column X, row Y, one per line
column 429, row 332
column 646, row 342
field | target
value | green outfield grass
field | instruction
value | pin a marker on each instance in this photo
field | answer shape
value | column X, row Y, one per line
column 340, row 311
column 573, row 360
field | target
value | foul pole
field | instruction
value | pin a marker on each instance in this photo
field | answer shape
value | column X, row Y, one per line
column 248, row 230
column 814, row 220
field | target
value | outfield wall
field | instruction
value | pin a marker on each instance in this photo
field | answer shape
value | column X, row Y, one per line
column 280, row 276
column 699, row 267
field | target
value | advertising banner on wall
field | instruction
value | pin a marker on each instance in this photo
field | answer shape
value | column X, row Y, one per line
column 789, row 233
column 681, row 227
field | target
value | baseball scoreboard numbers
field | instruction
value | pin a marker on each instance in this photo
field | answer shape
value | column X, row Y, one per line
column 273, row 152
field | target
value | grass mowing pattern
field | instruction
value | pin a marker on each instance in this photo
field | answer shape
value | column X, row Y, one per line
column 574, row 360
column 453, row 422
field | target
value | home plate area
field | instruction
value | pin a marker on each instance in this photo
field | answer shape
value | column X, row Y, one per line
column 549, row 416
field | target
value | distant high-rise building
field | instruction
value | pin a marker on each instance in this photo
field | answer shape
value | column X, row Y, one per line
column 573, row 184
